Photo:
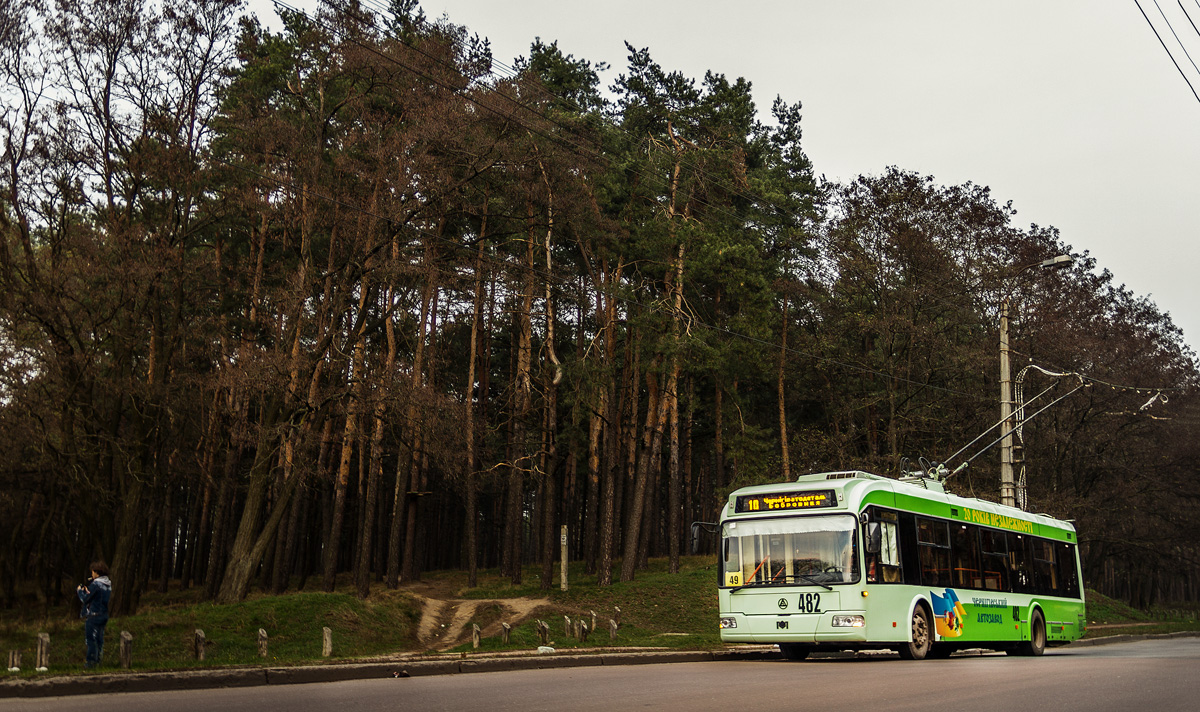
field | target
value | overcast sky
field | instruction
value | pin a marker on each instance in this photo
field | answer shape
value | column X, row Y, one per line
column 1071, row 109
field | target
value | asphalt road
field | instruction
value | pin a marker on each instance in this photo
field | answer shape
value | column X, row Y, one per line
column 1157, row 675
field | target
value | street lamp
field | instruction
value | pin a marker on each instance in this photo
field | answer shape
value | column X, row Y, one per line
column 1007, row 483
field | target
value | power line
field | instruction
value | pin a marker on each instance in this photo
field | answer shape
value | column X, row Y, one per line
column 1168, row 51
column 1188, row 16
column 1173, row 33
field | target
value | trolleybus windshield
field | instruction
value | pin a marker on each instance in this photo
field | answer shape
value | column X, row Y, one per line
column 810, row 550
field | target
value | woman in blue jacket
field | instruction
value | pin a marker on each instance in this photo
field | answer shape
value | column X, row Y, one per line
column 94, row 595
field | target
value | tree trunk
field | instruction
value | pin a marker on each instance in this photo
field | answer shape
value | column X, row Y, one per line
column 472, row 477
column 651, row 437
column 354, row 394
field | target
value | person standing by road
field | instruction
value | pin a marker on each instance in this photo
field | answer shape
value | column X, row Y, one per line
column 95, row 595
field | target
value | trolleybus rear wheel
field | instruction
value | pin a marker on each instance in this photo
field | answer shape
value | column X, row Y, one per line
column 1036, row 645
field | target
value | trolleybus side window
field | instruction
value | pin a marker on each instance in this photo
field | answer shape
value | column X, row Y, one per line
column 933, row 539
column 995, row 559
column 967, row 573
column 1020, row 563
column 883, row 546
column 908, row 548
column 1068, row 573
column 1045, row 571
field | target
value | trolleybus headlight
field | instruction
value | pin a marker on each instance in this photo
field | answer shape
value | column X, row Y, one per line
column 728, row 623
column 849, row 622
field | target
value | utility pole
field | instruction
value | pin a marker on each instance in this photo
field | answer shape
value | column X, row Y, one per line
column 1007, row 486
column 1008, row 422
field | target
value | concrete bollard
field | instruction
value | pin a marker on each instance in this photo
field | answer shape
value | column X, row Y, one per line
column 617, row 615
column 475, row 636
column 262, row 643
column 198, row 644
column 566, row 625
column 612, row 629
column 43, row 652
column 326, row 642
column 14, row 661
column 505, row 633
column 126, row 650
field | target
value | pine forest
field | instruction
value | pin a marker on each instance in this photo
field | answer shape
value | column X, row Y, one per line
column 353, row 301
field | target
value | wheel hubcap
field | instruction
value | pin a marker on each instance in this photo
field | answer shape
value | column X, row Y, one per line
column 919, row 630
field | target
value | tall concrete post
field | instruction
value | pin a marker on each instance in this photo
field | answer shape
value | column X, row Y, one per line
column 1007, row 487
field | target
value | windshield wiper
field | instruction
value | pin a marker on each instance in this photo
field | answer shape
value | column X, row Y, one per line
column 764, row 584
column 813, row 581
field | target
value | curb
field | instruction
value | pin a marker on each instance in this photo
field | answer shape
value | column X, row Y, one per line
column 207, row 679
column 1129, row 638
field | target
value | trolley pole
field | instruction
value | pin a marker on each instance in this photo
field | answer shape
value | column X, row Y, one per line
column 1007, row 487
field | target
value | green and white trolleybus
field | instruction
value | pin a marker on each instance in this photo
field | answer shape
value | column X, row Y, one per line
column 851, row 560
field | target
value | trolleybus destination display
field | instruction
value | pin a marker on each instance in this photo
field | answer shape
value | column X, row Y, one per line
column 778, row 501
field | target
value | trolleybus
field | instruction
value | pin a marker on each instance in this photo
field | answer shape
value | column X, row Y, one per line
column 851, row 560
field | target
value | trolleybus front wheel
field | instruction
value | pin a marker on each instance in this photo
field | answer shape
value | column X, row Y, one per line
column 918, row 647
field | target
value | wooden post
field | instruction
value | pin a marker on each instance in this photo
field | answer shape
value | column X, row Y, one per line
column 543, row 632
column 43, row 652
column 566, row 625
column 612, row 629
column 262, row 643
column 475, row 636
column 576, row 630
column 198, row 643
column 326, row 642
column 593, row 619
column 505, row 633
column 14, row 661
column 617, row 616
column 583, row 631
column 126, row 651
column 562, row 540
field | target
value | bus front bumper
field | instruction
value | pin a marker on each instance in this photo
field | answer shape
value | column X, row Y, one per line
column 795, row 627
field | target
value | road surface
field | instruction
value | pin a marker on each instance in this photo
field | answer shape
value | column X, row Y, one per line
column 1159, row 675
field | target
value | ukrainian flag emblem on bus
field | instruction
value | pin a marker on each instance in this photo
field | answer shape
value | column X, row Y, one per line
column 948, row 614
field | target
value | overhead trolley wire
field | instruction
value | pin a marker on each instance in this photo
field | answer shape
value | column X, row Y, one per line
column 1175, row 35
column 1168, row 51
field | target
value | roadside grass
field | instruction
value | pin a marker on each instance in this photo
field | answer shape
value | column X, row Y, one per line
column 658, row 609
column 1125, row 620
column 163, row 633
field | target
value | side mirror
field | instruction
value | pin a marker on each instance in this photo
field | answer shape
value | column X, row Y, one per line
column 874, row 537
column 697, row 527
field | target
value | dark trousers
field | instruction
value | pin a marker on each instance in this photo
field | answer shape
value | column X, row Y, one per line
column 93, row 635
